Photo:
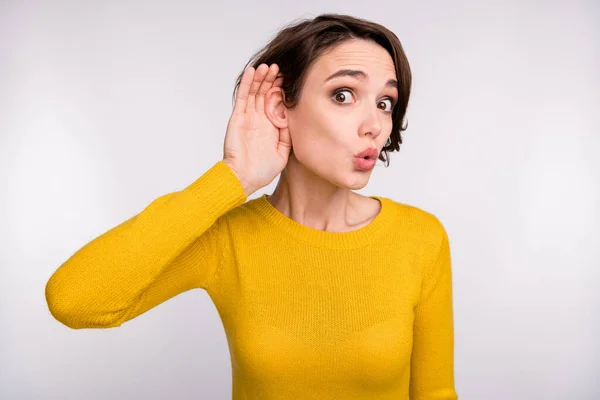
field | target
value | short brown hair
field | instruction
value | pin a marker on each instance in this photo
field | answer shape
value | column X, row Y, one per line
column 295, row 47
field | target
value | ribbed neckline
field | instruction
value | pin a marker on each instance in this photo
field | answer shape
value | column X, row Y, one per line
column 360, row 237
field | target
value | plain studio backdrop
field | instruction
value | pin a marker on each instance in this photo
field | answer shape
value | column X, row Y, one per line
column 105, row 106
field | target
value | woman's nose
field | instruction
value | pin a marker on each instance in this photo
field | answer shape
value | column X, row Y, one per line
column 371, row 122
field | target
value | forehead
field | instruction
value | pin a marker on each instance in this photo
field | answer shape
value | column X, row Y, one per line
column 356, row 53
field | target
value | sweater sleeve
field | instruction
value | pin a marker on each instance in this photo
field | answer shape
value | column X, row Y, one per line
column 432, row 361
column 174, row 244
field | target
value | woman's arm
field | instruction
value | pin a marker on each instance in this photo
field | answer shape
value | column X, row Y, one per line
column 175, row 244
column 432, row 362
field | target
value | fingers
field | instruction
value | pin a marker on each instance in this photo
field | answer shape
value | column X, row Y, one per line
column 255, row 83
column 259, row 76
column 266, row 84
column 242, row 94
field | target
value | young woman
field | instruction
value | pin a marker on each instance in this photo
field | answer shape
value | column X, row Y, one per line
column 323, row 293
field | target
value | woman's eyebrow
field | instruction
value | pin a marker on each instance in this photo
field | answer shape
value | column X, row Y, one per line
column 356, row 74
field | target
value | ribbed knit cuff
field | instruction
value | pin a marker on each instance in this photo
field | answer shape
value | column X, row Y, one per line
column 218, row 189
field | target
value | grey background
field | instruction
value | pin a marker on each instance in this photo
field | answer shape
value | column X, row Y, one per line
column 105, row 106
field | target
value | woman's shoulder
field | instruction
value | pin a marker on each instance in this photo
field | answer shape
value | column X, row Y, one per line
column 419, row 220
column 245, row 212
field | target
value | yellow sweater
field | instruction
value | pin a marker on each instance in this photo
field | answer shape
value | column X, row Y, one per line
column 308, row 314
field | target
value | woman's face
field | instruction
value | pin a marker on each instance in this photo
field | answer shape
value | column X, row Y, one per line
column 337, row 117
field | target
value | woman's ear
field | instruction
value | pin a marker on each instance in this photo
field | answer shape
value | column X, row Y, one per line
column 275, row 109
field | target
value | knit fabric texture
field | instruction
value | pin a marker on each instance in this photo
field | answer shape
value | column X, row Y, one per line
column 308, row 314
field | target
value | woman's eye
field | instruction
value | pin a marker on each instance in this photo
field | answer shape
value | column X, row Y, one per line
column 340, row 97
column 344, row 96
column 390, row 106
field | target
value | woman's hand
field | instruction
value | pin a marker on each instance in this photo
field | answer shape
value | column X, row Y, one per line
column 254, row 148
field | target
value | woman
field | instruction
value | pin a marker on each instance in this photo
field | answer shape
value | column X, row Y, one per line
column 323, row 293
